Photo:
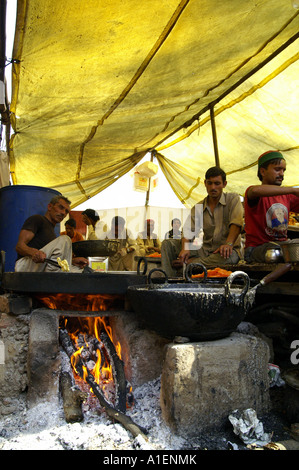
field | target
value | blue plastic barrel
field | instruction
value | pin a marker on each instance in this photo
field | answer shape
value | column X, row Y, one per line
column 17, row 203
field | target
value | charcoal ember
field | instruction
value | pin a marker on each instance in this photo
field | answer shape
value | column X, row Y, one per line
column 81, row 340
column 130, row 395
column 90, row 364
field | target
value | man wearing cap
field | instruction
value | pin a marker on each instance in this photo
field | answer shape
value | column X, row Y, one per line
column 96, row 228
column 267, row 207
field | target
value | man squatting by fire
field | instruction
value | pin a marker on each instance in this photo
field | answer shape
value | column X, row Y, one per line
column 37, row 241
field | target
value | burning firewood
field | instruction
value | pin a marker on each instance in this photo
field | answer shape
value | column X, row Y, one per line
column 118, row 372
column 101, row 357
column 72, row 395
column 84, row 373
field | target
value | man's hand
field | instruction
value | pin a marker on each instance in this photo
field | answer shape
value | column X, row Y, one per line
column 38, row 256
column 177, row 263
column 181, row 259
column 184, row 256
column 80, row 262
column 224, row 250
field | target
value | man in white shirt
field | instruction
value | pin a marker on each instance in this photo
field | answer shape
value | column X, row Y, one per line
column 222, row 221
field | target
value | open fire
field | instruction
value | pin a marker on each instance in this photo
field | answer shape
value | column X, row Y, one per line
column 90, row 347
column 82, row 302
column 80, row 322
column 96, row 356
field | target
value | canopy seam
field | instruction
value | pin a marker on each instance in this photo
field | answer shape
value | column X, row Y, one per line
column 232, row 103
column 170, row 25
column 196, row 117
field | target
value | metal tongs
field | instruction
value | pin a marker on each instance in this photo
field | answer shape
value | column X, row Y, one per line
column 51, row 261
column 184, row 270
column 86, row 269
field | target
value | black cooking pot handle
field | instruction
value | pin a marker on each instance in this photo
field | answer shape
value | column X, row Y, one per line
column 228, row 284
column 149, row 277
column 145, row 266
column 189, row 269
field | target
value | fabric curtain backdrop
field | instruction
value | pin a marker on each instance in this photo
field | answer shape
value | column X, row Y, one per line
column 97, row 85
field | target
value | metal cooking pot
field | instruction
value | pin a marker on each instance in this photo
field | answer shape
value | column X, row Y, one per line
column 273, row 255
column 103, row 248
column 290, row 251
column 196, row 310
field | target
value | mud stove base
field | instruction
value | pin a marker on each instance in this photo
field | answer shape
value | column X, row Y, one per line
column 201, row 383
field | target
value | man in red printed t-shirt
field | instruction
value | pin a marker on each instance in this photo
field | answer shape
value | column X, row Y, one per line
column 267, row 207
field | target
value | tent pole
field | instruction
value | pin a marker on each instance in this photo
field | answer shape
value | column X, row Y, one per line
column 214, row 134
column 2, row 38
column 4, row 106
column 149, row 182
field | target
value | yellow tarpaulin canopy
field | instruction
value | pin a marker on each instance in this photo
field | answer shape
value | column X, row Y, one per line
column 97, row 85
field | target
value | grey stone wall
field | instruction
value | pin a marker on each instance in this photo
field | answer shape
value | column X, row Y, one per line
column 14, row 333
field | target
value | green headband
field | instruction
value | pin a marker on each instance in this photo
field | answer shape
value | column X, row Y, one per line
column 270, row 155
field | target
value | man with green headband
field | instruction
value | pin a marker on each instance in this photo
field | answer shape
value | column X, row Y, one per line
column 267, row 207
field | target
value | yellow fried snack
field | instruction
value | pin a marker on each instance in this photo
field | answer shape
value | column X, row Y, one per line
column 63, row 264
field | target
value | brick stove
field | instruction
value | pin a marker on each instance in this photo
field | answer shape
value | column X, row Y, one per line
column 201, row 382
column 38, row 357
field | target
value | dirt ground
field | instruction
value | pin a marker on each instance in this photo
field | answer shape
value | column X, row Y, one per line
column 44, row 428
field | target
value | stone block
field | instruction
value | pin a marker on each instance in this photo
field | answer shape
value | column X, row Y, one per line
column 202, row 383
column 15, row 304
column 4, row 303
column 14, row 332
column 43, row 358
column 142, row 350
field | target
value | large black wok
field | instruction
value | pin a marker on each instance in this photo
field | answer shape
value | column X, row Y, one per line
column 102, row 248
column 196, row 310
column 87, row 282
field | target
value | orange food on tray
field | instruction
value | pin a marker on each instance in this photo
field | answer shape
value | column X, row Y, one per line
column 292, row 218
column 217, row 272
column 154, row 255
